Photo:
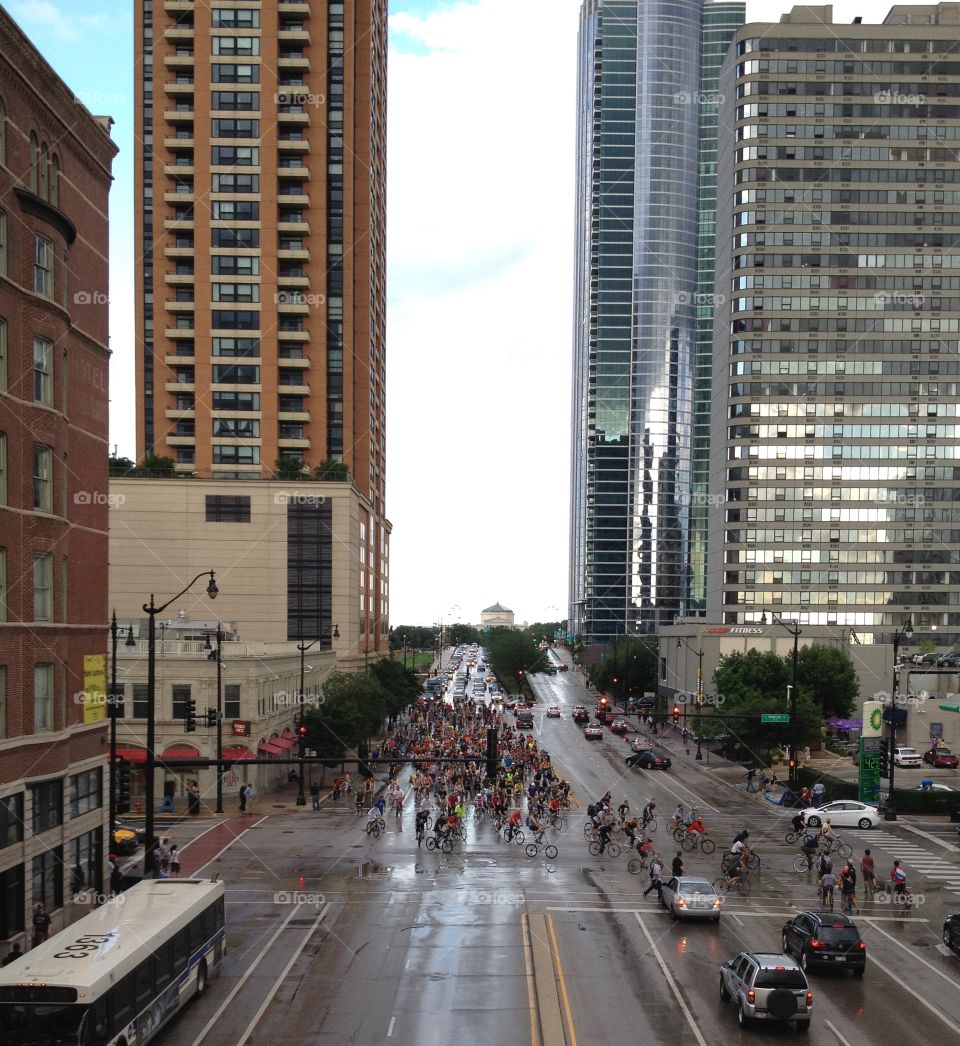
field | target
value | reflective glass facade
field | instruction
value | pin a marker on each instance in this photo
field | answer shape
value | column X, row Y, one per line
column 636, row 281
column 835, row 445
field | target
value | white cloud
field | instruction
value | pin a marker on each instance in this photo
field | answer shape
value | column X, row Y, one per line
column 34, row 15
column 481, row 179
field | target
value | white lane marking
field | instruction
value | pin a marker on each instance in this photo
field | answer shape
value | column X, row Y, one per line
column 932, row 838
column 248, row 973
column 920, row 959
column 673, row 984
column 737, row 920
column 840, row 1038
column 393, row 1021
column 255, row 1020
column 901, row 982
column 742, row 914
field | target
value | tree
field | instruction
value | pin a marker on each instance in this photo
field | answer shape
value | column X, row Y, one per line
column 332, row 469
column 289, row 468
column 120, row 466
column 157, row 465
column 460, row 633
column 414, row 637
column 399, row 683
column 352, row 708
column 829, row 676
column 630, row 671
column 514, row 654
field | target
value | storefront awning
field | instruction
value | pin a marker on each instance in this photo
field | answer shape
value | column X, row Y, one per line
column 238, row 753
column 132, row 755
column 284, row 743
column 180, row 753
column 270, row 748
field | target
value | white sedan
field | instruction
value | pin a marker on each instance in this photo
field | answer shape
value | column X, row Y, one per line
column 553, row 712
column 843, row 813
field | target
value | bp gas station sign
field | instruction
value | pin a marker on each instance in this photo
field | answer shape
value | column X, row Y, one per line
column 871, row 745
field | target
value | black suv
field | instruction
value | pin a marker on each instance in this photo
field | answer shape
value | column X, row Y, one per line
column 825, row 939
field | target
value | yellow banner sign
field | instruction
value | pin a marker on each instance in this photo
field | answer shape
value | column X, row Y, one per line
column 94, row 687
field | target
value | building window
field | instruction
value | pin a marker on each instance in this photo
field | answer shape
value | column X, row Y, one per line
column 140, row 700
column 236, row 455
column 42, row 587
column 222, row 508
column 43, row 266
column 3, row 708
column 42, row 478
column 11, row 820
column 47, row 805
column 86, row 866
column 231, row 701
column 86, row 791
column 43, row 371
column 11, row 901
column 181, row 694
column 42, row 698
column 48, row 878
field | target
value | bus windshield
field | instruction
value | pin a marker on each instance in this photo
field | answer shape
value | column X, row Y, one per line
column 35, row 1024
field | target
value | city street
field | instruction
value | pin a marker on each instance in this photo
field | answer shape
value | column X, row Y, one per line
column 335, row 938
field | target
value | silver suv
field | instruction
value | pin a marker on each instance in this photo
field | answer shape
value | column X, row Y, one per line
column 767, row 986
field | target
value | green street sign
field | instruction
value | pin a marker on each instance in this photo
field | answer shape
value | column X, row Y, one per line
column 774, row 717
column 949, row 708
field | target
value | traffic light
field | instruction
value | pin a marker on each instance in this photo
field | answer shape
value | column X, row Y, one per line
column 123, row 786
column 212, row 717
column 676, row 713
column 190, row 715
column 492, row 760
column 884, row 761
column 603, row 703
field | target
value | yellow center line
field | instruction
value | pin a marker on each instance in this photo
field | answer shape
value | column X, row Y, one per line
column 562, row 981
column 531, row 991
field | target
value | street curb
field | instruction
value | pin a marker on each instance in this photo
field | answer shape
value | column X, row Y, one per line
column 552, row 1031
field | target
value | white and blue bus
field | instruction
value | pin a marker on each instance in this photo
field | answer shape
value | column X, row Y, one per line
column 119, row 974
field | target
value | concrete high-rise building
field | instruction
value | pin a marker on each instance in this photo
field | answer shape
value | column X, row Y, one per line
column 639, row 229
column 261, row 237
column 55, row 176
column 835, row 424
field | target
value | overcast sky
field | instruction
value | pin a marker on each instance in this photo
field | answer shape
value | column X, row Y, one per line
column 481, row 178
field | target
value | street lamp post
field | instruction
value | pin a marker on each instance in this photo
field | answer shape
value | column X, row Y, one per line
column 301, row 740
column 906, row 632
column 699, row 656
column 795, row 632
column 219, row 718
column 114, row 704
column 152, row 610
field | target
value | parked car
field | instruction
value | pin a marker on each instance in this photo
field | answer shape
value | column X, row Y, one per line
column 653, row 759
column 593, row 732
column 127, row 837
column 825, row 939
column 690, row 897
column 619, row 726
column 930, row 658
column 951, row 660
column 932, row 786
column 906, row 757
column 553, row 712
column 766, row 986
column 951, row 933
column 941, row 757
column 842, row 813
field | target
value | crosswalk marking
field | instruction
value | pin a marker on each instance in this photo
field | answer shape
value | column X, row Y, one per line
column 931, row 866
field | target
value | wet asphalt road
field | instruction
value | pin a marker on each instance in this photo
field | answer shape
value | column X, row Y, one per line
column 335, row 938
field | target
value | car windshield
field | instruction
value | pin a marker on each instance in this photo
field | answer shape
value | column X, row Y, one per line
column 780, row 979
column 944, row 751
column 838, row 935
column 695, row 888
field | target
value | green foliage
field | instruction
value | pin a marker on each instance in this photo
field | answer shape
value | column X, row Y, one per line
column 399, row 684
column 415, row 637
column 512, row 652
column 289, row 468
column 829, row 676
column 332, row 469
column 455, row 634
column 630, row 671
column 120, row 466
column 353, row 707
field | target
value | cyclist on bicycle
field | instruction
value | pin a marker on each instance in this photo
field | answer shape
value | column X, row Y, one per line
column 739, row 844
column 358, row 801
column 735, row 868
column 697, row 825
column 799, row 822
column 827, row 834
column 513, row 823
column 630, row 827
column 808, row 847
column 422, row 817
column 622, row 810
column 603, row 834
column 536, row 825
column 898, row 879
column 647, row 815
column 554, row 807
column 678, row 817
column 373, row 816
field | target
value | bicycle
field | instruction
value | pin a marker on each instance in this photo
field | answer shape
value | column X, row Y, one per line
column 358, row 803
column 836, row 846
column 753, row 859
column 636, row 865
column 555, row 821
column 903, row 897
column 373, row 828
column 724, row 883
column 804, row 862
column 697, row 840
column 534, row 848
column 443, row 843
column 422, row 830
column 612, row 849
column 649, row 826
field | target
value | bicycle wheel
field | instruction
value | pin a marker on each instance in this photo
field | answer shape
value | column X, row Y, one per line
column 844, row 851
column 594, row 848
column 679, row 834
column 790, row 838
column 721, row 885
column 375, row 830
column 651, row 825
column 551, row 851
column 462, row 832
column 589, row 829
column 634, row 866
column 558, row 823
column 743, row 886
column 613, row 849
column 447, row 845
column 431, row 842
column 753, row 862
column 688, row 842
column 800, row 864
column 532, row 849
column 707, row 846
column 518, row 836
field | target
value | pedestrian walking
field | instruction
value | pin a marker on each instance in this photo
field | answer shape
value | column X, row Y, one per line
column 751, row 774
column 113, row 875
column 175, row 859
column 868, row 871
column 247, row 795
column 243, row 798
column 819, row 794
column 763, row 782
column 337, row 785
column 41, row 923
column 677, row 868
column 315, row 795
column 848, row 889
column 656, row 873
column 827, row 883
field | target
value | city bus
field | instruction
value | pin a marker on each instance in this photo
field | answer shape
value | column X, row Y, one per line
column 116, row 976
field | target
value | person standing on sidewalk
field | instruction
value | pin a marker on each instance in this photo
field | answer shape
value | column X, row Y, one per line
column 315, row 795
column 41, row 924
column 751, row 774
column 243, row 798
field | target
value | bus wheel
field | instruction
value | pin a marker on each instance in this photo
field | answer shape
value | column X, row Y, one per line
column 201, row 978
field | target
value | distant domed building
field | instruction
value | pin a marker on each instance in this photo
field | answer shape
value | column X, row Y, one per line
column 495, row 616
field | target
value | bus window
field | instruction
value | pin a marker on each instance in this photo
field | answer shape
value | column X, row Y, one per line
column 121, row 1009
column 197, row 937
column 181, row 951
column 143, row 980
column 163, row 965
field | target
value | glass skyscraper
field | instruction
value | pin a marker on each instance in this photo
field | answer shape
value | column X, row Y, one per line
column 639, row 230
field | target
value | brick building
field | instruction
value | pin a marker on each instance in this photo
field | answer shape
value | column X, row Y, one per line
column 55, row 174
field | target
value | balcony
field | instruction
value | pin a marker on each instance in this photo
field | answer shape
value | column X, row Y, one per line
column 179, row 279
column 178, row 252
column 299, row 172
column 179, row 414
column 302, row 336
column 178, row 223
column 291, row 116
column 299, row 226
column 289, row 362
column 301, row 8
column 181, row 441
column 297, row 443
column 292, row 145
column 178, row 361
column 292, row 282
column 179, row 116
column 179, row 89
column 294, row 254
column 178, row 170
column 179, row 197
column 175, row 7
column 179, row 332
column 182, row 60
column 293, row 415
column 298, row 35
column 179, row 386
column 179, row 34
column 178, row 142
column 293, row 62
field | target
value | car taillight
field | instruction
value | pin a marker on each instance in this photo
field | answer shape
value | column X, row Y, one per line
column 681, row 903
column 816, row 944
column 751, row 996
column 861, row 946
column 809, row 999
column 716, row 902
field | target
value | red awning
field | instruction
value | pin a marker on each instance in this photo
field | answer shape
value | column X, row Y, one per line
column 180, row 753
column 283, row 743
column 238, row 753
column 288, row 732
column 132, row 755
column 271, row 748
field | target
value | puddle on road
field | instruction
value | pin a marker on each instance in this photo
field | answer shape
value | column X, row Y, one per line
column 373, row 870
